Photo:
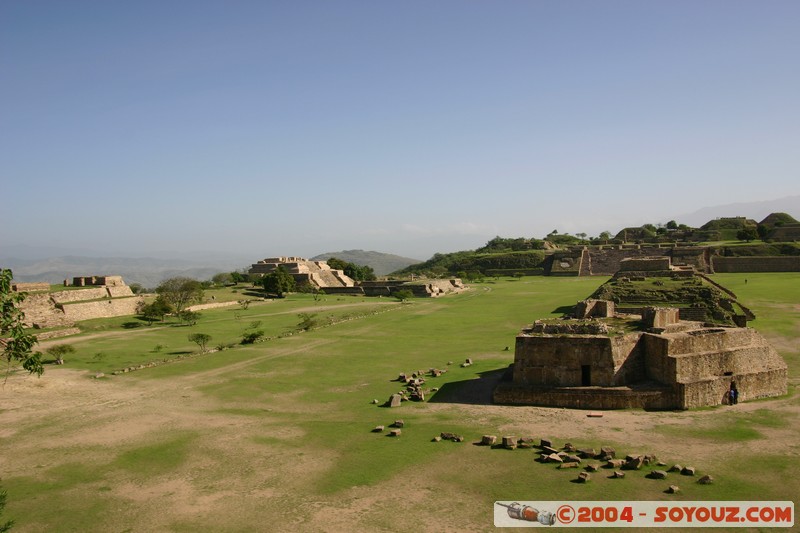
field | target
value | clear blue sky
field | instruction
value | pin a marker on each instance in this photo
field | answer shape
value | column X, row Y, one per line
column 299, row 127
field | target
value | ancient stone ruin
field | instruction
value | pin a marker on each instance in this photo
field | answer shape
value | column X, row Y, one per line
column 605, row 360
column 103, row 297
column 334, row 282
column 317, row 273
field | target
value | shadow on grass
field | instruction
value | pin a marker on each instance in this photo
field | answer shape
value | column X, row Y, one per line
column 472, row 391
column 254, row 294
column 564, row 310
column 182, row 352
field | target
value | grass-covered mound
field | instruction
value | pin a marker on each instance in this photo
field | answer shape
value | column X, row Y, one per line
column 712, row 304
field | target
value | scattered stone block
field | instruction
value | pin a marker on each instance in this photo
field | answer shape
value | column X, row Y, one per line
column 634, row 463
column 589, row 453
column 568, row 465
column 394, row 400
column 675, row 468
column 553, row 458
column 584, row 477
column 548, row 449
column 592, row 467
column 568, row 447
column 572, row 458
column 488, row 440
column 706, row 480
column 525, row 442
column 615, row 463
column 657, row 474
column 650, row 459
column 673, row 489
column 544, row 443
column 618, row 474
column 509, row 442
column 688, row 471
column 398, row 424
column 468, row 361
column 395, row 432
column 378, row 429
column 99, row 375
column 452, row 436
column 607, row 451
column 436, row 439
column 595, row 414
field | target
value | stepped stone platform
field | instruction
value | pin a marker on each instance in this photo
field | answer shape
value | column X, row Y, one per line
column 321, row 276
column 600, row 361
column 317, row 273
column 103, row 297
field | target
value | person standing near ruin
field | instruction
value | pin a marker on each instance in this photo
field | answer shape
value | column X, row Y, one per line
column 733, row 394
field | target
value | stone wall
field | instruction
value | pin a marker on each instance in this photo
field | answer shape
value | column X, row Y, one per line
column 119, row 291
column 645, row 264
column 79, row 295
column 660, row 317
column 64, row 308
column 30, row 287
column 565, row 263
column 784, row 263
column 550, row 361
column 695, row 363
column 78, row 311
column 594, row 308
column 40, row 311
column 654, row 397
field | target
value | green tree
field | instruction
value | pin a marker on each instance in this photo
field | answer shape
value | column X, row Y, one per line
column 672, row 225
column 59, row 351
column 16, row 344
column 747, row 234
column 252, row 337
column 222, row 279
column 239, row 277
column 307, row 321
column 278, row 282
column 200, row 339
column 136, row 288
column 352, row 270
column 189, row 318
column 180, row 292
column 156, row 310
column 403, row 294
column 336, row 263
column 763, row 232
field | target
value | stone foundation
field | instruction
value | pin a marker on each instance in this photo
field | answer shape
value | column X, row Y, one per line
column 673, row 365
column 64, row 308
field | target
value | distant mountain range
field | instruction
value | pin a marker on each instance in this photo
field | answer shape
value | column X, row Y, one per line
column 150, row 271
column 380, row 262
column 146, row 271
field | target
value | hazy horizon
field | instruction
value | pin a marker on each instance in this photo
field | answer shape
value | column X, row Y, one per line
column 261, row 128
